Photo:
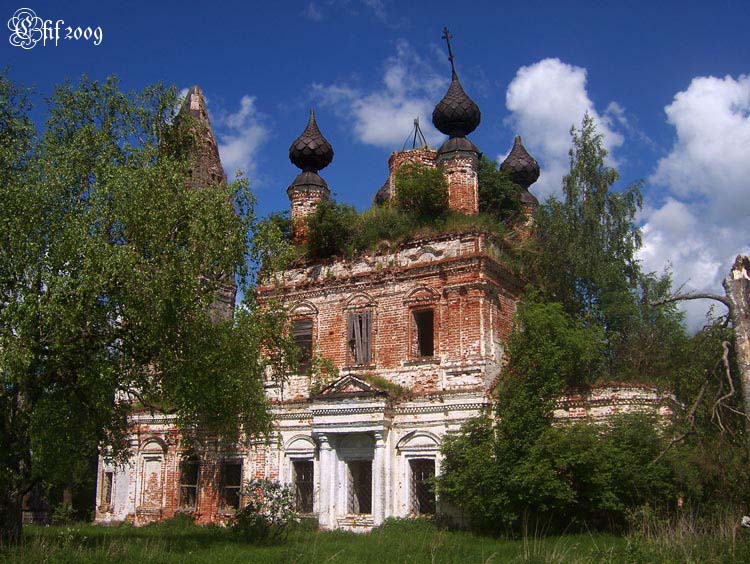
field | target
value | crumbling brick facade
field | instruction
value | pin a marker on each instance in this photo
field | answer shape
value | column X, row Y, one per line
column 460, row 170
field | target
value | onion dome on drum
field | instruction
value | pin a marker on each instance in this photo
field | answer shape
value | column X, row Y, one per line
column 311, row 151
column 456, row 114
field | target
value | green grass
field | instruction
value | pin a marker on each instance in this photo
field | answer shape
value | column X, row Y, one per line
column 395, row 542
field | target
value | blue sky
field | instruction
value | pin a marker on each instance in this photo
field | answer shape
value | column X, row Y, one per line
column 667, row 81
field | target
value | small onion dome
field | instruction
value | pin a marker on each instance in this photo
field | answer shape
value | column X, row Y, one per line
column 311, row 151
column 456, row 114
column 522, row 167
column 458, row 144
column 309, row 178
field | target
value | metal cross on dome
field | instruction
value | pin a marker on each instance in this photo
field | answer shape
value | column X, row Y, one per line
column 447, row 36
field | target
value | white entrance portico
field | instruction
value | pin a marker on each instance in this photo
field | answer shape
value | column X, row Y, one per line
column 352, row 437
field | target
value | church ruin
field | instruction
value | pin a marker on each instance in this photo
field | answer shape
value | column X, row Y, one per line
column 417, row 333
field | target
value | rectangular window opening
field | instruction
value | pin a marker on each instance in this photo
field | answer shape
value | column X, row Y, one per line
column 424, row 324
column 107, row 488
column 189, row 470
column 231, row 483
column 422, row 487
column 360, row 487
column 303, row 485
column 302, row 333
column 359, row 331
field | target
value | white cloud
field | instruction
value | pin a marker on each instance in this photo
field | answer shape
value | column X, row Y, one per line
column 703, row 224
column 384, row 117
column 710, row 156
column 545, row 99
column 239, row 135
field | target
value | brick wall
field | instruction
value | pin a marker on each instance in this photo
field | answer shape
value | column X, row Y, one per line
column 460, row 171
column 304, row 201
column 455, row 278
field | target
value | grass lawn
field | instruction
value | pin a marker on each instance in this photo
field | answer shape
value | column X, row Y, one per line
column 394, row 542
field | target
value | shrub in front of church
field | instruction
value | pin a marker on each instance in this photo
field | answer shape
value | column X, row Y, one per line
column 268, row 511
column 521, row 470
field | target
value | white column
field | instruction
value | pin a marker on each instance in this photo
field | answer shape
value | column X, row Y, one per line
column 325, row 480
column 378, row 481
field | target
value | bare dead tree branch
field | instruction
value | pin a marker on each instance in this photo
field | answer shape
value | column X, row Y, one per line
column 695, row 296
column 145, row 403
column 725, row 361
column 690, row 418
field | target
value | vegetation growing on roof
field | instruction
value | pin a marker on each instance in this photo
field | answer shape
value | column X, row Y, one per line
column 419, row 210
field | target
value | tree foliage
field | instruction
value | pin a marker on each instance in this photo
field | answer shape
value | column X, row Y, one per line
column 109, row 265
column 590, row 317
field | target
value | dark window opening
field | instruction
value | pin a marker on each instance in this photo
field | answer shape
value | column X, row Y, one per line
column 424, row 324
column 189, row 470
column 303, row 485
column 302, row 334
column 231, row 482
column 359, row 331
column 360, row 486
column 422, row 487
column 107, row 488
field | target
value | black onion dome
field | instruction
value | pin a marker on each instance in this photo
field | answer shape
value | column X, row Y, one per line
column 522, row 167
column 311, row 151
column 456, row 114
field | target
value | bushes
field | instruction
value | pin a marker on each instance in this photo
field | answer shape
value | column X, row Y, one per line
column 420, row 208
column 570, row 476
column 421, row 191
column 498, row 194
column 382, row 223
column 268, row 512
column 330, row 230
column 521, row 467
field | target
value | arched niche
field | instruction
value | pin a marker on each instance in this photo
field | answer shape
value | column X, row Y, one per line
column 303, row 309
column 417, row 442
column 359, row 300
column 300, row 446
column 421, row 295
column 151, row 468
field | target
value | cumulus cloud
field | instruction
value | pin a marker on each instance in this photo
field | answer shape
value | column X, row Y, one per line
column 702, row 223
column 383, row 117
column 710, row 156
column 545, row 99
column 240, row 133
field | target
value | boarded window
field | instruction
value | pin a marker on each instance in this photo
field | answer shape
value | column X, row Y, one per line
column 360, row 486
column 107, row 482
column 303, row 485
column 359, row 331
column 231, row 482
column 189, row 470
column 424, row 332
column 422, row 487
column 302, row 334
